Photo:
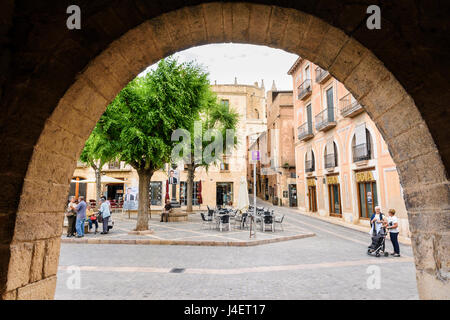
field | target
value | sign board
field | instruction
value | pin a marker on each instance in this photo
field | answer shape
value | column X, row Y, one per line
column 255, row 155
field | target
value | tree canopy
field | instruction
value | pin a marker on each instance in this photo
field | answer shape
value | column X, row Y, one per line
column 139, row 123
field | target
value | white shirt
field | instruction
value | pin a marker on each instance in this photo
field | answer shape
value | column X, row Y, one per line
column 391, row 221
column 378, row 223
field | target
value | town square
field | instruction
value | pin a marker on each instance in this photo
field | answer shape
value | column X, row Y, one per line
column 205, row 150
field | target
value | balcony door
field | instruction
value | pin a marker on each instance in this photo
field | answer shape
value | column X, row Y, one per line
column 330, row 104
column 307, row 73
column 309, row 117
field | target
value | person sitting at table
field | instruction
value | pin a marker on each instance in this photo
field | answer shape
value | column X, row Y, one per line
column 165, row 213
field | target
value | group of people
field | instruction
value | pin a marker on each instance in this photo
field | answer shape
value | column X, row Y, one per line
column 390, row 223
column 78, row 212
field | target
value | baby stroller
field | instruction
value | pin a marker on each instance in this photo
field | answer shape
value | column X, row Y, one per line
column 377, row 247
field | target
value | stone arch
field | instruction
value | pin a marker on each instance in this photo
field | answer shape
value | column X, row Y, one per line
column 31, row 257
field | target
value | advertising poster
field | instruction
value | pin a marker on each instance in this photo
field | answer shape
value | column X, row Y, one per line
column 130, row 199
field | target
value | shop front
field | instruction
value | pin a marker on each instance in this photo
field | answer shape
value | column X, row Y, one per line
column 334, row 195
column 224, row 193
column 312, row 194
column 367, row 193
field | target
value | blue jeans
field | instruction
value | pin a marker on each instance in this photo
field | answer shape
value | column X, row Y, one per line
column 394, row 240
column 80, row 227
column 91, row 222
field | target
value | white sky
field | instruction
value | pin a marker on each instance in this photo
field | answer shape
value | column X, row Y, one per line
column 249, row 63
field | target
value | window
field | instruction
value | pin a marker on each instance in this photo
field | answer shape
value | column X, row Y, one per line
column 224, row 193
column 224, row 165
column 334, row 195
column 367, row 198
column 330, row 104
column 362, row 144
column 155, row 193
column 114, row 165
column 331, row 158
column 307, row 73
column 225, row 102
column 309, row 161
column 183, row 193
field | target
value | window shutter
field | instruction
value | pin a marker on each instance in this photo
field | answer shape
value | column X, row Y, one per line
column 360, row 134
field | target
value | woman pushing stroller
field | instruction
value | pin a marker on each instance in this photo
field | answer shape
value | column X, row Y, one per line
column 378, row 225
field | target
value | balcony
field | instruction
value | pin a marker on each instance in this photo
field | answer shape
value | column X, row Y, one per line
column 305, row 132
column 361, row 152
column 325, row 120
column 304, row 90
column 330, row 161
column 309, row 166
column 322, row 75
column 349, row 108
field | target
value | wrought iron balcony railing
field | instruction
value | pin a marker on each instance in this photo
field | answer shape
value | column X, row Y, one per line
column 361, row 152
column 304, row 89
column 348, row 107
column 322, row 75
column 305, row 131
column 309, row 166
column 330, row 161
column 325, row 120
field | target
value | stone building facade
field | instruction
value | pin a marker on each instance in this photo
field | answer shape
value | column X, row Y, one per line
column 344, row 168
column 276, row 175
column 217, row 186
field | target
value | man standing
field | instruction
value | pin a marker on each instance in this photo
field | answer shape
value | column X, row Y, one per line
column 106, row 213
column 81, row 216
column 71, row 214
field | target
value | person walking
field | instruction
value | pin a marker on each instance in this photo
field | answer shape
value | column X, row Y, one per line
column 81, row 216
column 106, row 214
column 392, row 227
column 71, row 214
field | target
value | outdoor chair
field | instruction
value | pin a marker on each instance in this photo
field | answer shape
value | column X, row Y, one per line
column 224, row 220
column 279, row 220
column 268, row 220
column 240, row 221
column 206, row 221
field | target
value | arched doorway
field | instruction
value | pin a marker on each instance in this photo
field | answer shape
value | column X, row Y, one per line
column 33, row 226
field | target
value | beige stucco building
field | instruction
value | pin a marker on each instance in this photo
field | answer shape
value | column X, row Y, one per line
column 217, row 186
column 343, row 165
column 276, row 171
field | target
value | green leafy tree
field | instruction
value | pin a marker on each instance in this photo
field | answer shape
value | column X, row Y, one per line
column 207, row 140
column 96, row 153
column 140, row 121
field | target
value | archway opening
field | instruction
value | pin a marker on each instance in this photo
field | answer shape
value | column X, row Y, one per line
column 364, row 75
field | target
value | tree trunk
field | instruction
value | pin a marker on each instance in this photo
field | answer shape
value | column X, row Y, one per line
column 143, row 208
column 190, row 186
column 98, row 185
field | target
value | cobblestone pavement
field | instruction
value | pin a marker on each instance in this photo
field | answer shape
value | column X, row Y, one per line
column 331, row 265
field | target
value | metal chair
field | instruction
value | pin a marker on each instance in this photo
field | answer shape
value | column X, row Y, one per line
column 224, row 220
column 268, row 220
column 206, row 221
column 279, row 220
column 240, row 221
